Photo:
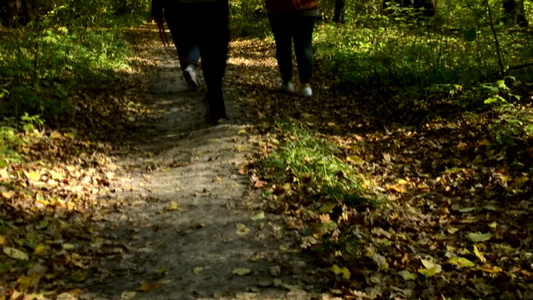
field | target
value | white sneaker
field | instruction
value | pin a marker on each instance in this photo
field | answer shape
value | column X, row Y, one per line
column 190, row 76
column 307, row 91
column 286, row 88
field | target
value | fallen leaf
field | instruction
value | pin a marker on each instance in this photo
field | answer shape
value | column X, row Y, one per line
column 15, row 253
column 461, row 262
column 431, row 268
column 492, row 270
column 396, row 188
column 128, row 295
column 354, row 159
column 344, row 271
column 479, row 254
column 242, row 229
column 68, row 246
column 259, row 184
column 197, row 270
column 33, row 176
column 479, row 237
column 8, row 195
column 453, row 230
column 241, row 271
column 42, row 250
column 27, row 282
column 161, row 272
column 149, row 286
column 257, row 217
column 467, row 209
column 407, row 275
column 77, row 276
column 172, row 206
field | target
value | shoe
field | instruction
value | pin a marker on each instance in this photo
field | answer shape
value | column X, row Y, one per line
column 307, row 91
column 215, row 108
column 214, row 115
column 286, row 87
column 190, row 76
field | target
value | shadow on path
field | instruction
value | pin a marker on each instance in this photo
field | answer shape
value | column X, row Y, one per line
column 185, row 228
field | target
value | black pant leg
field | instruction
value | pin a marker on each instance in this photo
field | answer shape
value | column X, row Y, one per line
column 281, row 27
column 214, row 49
column 303, row 39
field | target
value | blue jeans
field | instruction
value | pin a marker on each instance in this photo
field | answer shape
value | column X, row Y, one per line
column 289, row 29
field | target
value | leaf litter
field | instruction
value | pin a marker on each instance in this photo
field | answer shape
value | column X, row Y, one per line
column 458, row 209
column 458, row 201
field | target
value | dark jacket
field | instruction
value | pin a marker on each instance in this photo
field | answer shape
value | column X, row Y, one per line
column 159, row 5
column 292, row 7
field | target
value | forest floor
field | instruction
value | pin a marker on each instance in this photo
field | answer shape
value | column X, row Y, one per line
column 191, row 227
column 156, row 204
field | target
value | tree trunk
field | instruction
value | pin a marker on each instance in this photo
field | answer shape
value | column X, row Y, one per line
column 338, row 16
column 515, row 12
column 16, row 12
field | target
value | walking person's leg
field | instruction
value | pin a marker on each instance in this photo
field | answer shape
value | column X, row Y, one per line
column 179, row 18
column 281, row 27
column 303, row 40
column 214, row 39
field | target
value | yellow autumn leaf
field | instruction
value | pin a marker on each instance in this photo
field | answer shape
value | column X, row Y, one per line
column 26, row 282
column 197, row 270
column 15, row 253
column 128, row 295
column 354, row 159
column 149, row 286
column 241, row 271
column 42, row 250
column 460, row 262
column 57, row 175
column 396, row 188
column 344, row 271
column 431, row 268
column 452, row 230
column 242, row 229
column 479, row 254
column 68, row 246
column 161, row 272
column 172, row 206
column 257, row 217
column 33, row 176
column 492, row 270
column 8, row 195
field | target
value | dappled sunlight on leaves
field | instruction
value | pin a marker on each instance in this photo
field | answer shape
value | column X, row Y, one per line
column 457, row 184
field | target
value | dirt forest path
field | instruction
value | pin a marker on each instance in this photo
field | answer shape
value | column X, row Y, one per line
column 191, row 226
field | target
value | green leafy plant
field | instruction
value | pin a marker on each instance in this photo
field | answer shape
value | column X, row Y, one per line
column 313, row 166
column 11, row 139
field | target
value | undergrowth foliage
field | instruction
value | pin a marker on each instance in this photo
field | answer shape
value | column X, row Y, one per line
column 314, row 168
column 43, row 65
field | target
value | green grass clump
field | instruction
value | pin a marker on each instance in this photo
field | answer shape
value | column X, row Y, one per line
column 313, row 167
